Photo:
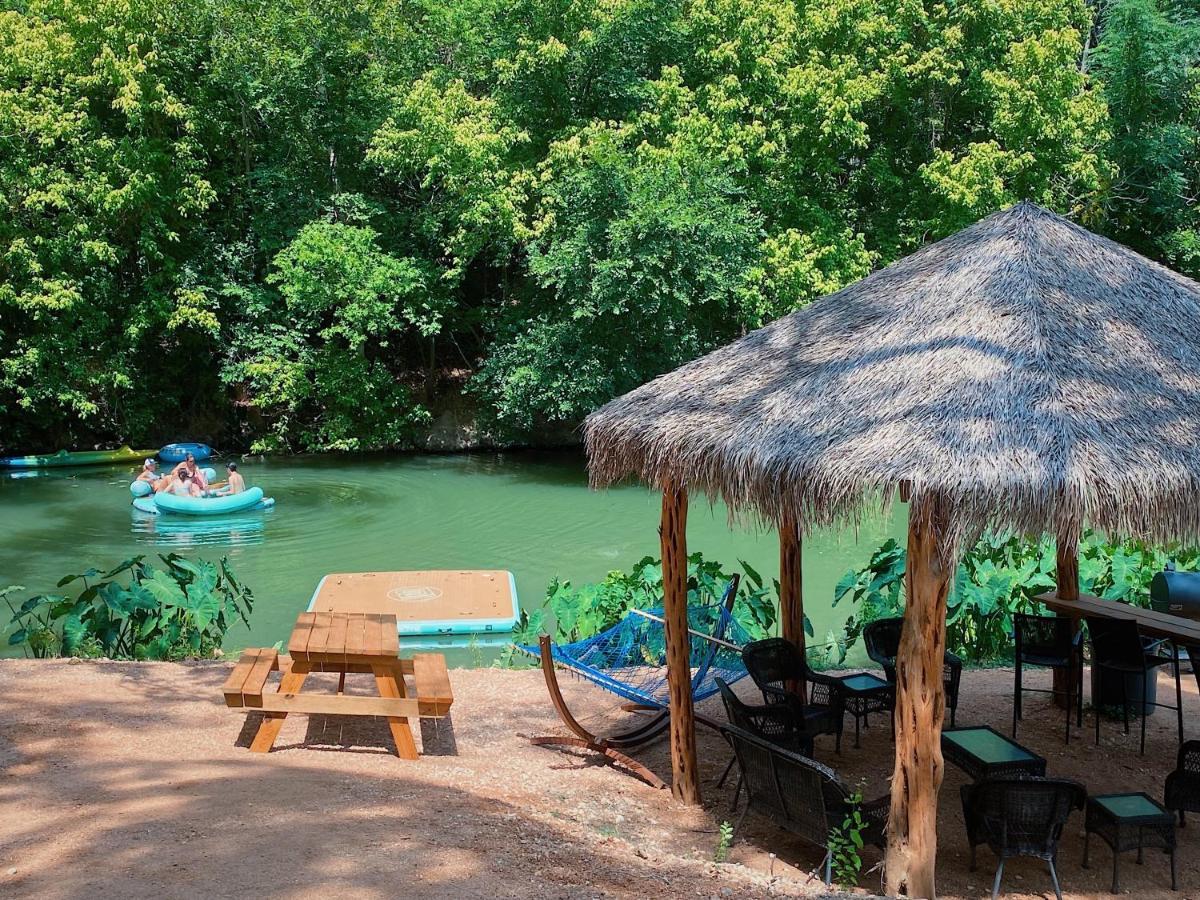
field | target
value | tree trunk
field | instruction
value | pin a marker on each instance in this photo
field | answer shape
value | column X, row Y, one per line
column 1067, row 553
column 791, row 589
column 685, row 781
column 920, row 703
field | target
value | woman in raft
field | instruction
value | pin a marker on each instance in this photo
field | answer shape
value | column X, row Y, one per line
column 183, row 485
column 193, row 473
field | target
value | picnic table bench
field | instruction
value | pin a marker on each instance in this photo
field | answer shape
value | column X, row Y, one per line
column 345, row 643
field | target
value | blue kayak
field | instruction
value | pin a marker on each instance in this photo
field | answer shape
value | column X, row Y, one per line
column 204, row 506
column 177, row 453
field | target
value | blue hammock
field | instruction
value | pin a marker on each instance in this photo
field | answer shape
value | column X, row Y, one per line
column 629, row 659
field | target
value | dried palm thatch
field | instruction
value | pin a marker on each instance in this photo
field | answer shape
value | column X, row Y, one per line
column 1031, row 373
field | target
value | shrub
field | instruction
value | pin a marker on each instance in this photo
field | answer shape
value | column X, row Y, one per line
column 1002, row 575
column 134, row 611
column 579, row 612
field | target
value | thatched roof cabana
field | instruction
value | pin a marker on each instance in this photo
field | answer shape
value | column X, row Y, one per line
column 1026, row 369
column 1023, row 373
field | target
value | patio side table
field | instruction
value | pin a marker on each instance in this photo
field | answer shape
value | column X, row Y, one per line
column 863, row 694
column 1129, row 822
column 982, row 752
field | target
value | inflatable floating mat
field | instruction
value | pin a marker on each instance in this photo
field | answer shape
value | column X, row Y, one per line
column 427, row 603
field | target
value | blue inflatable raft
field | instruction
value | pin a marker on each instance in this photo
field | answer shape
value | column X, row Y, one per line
column 177, row 453
column 204, row 506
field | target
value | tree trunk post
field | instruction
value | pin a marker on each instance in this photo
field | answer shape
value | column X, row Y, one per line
column 685, row 781
column 1067, row 578
column 920, row 703
column 791, row 588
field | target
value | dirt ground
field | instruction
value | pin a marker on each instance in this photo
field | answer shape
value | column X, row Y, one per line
column 133, row 780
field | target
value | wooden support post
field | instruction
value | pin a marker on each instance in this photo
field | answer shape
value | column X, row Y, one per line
column 685, row 781
column 1067, row 563
column 791, row 588
column 920, row 702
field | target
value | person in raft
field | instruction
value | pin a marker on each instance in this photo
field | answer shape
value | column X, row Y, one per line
column 184, row 485
column 236, row 484
column 149, row 472
column 193, row 472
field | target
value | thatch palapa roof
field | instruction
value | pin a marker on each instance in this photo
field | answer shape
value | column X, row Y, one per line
column 1030, row 372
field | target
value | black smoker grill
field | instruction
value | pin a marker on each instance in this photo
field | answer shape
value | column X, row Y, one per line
column 1176, row 593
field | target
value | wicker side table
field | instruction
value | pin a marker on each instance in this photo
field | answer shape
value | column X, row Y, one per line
column 1129, row 822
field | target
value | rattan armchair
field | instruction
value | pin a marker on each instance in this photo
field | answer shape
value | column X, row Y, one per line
column 780, row 723
column 1182, row 792
column 882, row 640
column 1020, row 816
column 777, row 666
column 799, row 794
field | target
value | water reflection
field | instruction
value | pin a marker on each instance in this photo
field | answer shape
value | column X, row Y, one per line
column 241, row 530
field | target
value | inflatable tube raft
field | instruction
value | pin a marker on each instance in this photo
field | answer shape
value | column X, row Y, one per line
column 204, row 506
column 177, row 453
column 81, row 458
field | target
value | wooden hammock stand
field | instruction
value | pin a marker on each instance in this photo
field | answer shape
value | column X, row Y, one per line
column 609, row 747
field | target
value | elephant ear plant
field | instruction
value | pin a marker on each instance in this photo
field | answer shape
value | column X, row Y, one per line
column 181, row 609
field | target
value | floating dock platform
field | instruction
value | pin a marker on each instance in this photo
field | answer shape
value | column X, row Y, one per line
column 429, row 604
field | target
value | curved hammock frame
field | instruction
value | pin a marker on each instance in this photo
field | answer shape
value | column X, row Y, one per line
column 606, row 660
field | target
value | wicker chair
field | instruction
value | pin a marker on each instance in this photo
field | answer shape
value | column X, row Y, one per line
column 1117, row 647
column 882, row 640
column 780, row 723
column 799, row 794
column 1182, row 792
column 1049, row 642
column 1020, row 816
column 776, row 665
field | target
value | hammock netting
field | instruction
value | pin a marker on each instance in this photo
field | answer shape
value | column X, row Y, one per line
column 629, row 659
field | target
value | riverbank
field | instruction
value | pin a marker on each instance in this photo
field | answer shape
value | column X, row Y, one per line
column 133, row 780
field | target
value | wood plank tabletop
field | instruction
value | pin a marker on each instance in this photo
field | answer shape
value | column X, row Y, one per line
column 1152, row 622
column 325, row 637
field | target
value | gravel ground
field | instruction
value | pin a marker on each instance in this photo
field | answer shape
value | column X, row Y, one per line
column 133, row 780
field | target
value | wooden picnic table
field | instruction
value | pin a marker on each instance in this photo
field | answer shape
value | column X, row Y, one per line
column 345, row 643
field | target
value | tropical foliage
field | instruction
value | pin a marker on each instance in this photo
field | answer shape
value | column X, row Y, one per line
column 1002, row 575
column 134, row 611
column 579, row 612
column 307, row 224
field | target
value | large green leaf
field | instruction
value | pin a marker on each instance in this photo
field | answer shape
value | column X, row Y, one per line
column 165, row 590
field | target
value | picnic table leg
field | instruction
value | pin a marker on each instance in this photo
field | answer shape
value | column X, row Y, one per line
column 390, row 683
column 272, row 722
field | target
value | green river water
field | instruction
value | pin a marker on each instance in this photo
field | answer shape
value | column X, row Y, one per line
column 531, row 513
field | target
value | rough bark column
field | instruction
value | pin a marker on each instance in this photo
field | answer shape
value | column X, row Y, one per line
column 920, row 702
column 791, row 587
column 685, row 781
column 1067, row 562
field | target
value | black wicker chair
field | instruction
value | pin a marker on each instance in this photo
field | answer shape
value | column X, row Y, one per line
column 1182, row 792
column 882, row 640
column 780, row 723
column 777, row 665
column 799, row 794
column 1118, row 648
column 1020, row 816
column 1048, row 642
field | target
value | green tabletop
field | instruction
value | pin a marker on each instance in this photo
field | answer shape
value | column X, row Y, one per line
column 987, row 746
column 1129, row 806
column 863, row 682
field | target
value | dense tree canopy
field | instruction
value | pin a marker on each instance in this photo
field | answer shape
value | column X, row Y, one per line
column 308, row 224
